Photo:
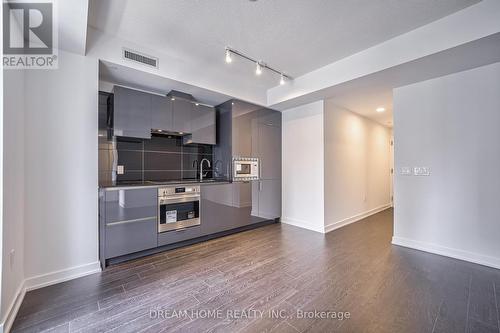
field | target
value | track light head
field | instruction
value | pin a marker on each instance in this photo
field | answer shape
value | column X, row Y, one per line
column 282, row 79
column 228, row 56
column 258, row 68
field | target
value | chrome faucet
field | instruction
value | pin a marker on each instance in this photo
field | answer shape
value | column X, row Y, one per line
column 201, row 168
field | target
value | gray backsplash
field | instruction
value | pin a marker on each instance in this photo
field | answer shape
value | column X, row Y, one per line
column 162, row 158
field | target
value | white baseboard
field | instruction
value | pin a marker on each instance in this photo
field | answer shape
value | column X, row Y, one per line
column 476, row 258
column 48, row 279
column 339, row 224
column 13, row 308
column 302, row 224
column 44, row 280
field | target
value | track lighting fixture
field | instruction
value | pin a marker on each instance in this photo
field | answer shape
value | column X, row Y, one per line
column 259, row 65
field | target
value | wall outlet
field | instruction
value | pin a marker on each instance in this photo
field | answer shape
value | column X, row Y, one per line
column 406, row 171
column 421, row 171
column 120, row 169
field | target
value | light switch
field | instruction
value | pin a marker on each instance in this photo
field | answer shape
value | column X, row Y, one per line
column 421, row 171
column 406, row 171
column 120, row 170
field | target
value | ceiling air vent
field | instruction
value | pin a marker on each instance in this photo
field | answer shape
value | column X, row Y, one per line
column 140, row 57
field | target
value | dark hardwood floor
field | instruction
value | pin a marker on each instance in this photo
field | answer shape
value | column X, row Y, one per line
column 282, row 268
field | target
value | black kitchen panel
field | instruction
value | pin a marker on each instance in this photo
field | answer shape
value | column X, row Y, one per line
column 197, row 149
column 172, row 144
column 159, row 176
column 162, row 161
column 128, row 144
column 130, row 160
column 129, row 176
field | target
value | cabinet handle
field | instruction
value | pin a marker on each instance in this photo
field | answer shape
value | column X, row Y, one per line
column 260, row 185
column 130, row 221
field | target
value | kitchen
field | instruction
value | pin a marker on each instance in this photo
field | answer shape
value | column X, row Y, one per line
column 175, row 171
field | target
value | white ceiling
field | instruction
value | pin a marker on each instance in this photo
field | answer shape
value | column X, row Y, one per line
column 133, row 78
column 295, row 36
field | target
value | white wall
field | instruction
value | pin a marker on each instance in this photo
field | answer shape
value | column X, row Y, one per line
column 13, row 189
column 450, row 124
column 357, row 166
column 303, row 164
column 61, row 214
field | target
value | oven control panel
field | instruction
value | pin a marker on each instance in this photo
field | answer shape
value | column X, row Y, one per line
column 178, row 190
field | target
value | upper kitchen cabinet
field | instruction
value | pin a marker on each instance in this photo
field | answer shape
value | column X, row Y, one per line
column 270, row 117
column 181, row 115
column 132, row 113
column 268, row 144
column 242, row 134
column 202, row 125
column 161, row 113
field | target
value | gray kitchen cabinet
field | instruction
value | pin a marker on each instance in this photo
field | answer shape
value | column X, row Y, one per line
column 128, row 221
column 130, row 204
column 269, row 151
column 125, row 237
column 202, row 125
column 181, row 115
column 253, row 131
column 132, row 113
column 269, row 198
column 161, row 113
column 217, row 210
column 242, row 134
column 270, row 117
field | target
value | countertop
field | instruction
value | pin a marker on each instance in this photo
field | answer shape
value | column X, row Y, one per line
column 146, row 184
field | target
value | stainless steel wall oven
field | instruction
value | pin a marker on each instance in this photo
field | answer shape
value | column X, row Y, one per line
column 178, row 207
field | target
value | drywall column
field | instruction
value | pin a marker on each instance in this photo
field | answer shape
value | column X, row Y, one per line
column 61, row 214
column 357, row 166
column 303, row 167
column 451, row 125
column 13, row 191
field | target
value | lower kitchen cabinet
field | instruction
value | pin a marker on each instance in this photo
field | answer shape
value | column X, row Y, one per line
column 127, row 222
column 131, row 236
column 174, row 236
column 217, row 210
column 268, row 192
column 128, row 217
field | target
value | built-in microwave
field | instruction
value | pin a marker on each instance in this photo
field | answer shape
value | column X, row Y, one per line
column 245, row 168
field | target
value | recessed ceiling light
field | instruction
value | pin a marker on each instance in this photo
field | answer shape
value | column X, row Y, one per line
column 380, row 109
column 196, row 104
column 173, row 99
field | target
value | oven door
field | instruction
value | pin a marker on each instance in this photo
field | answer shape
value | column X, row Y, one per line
column 176, row 213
